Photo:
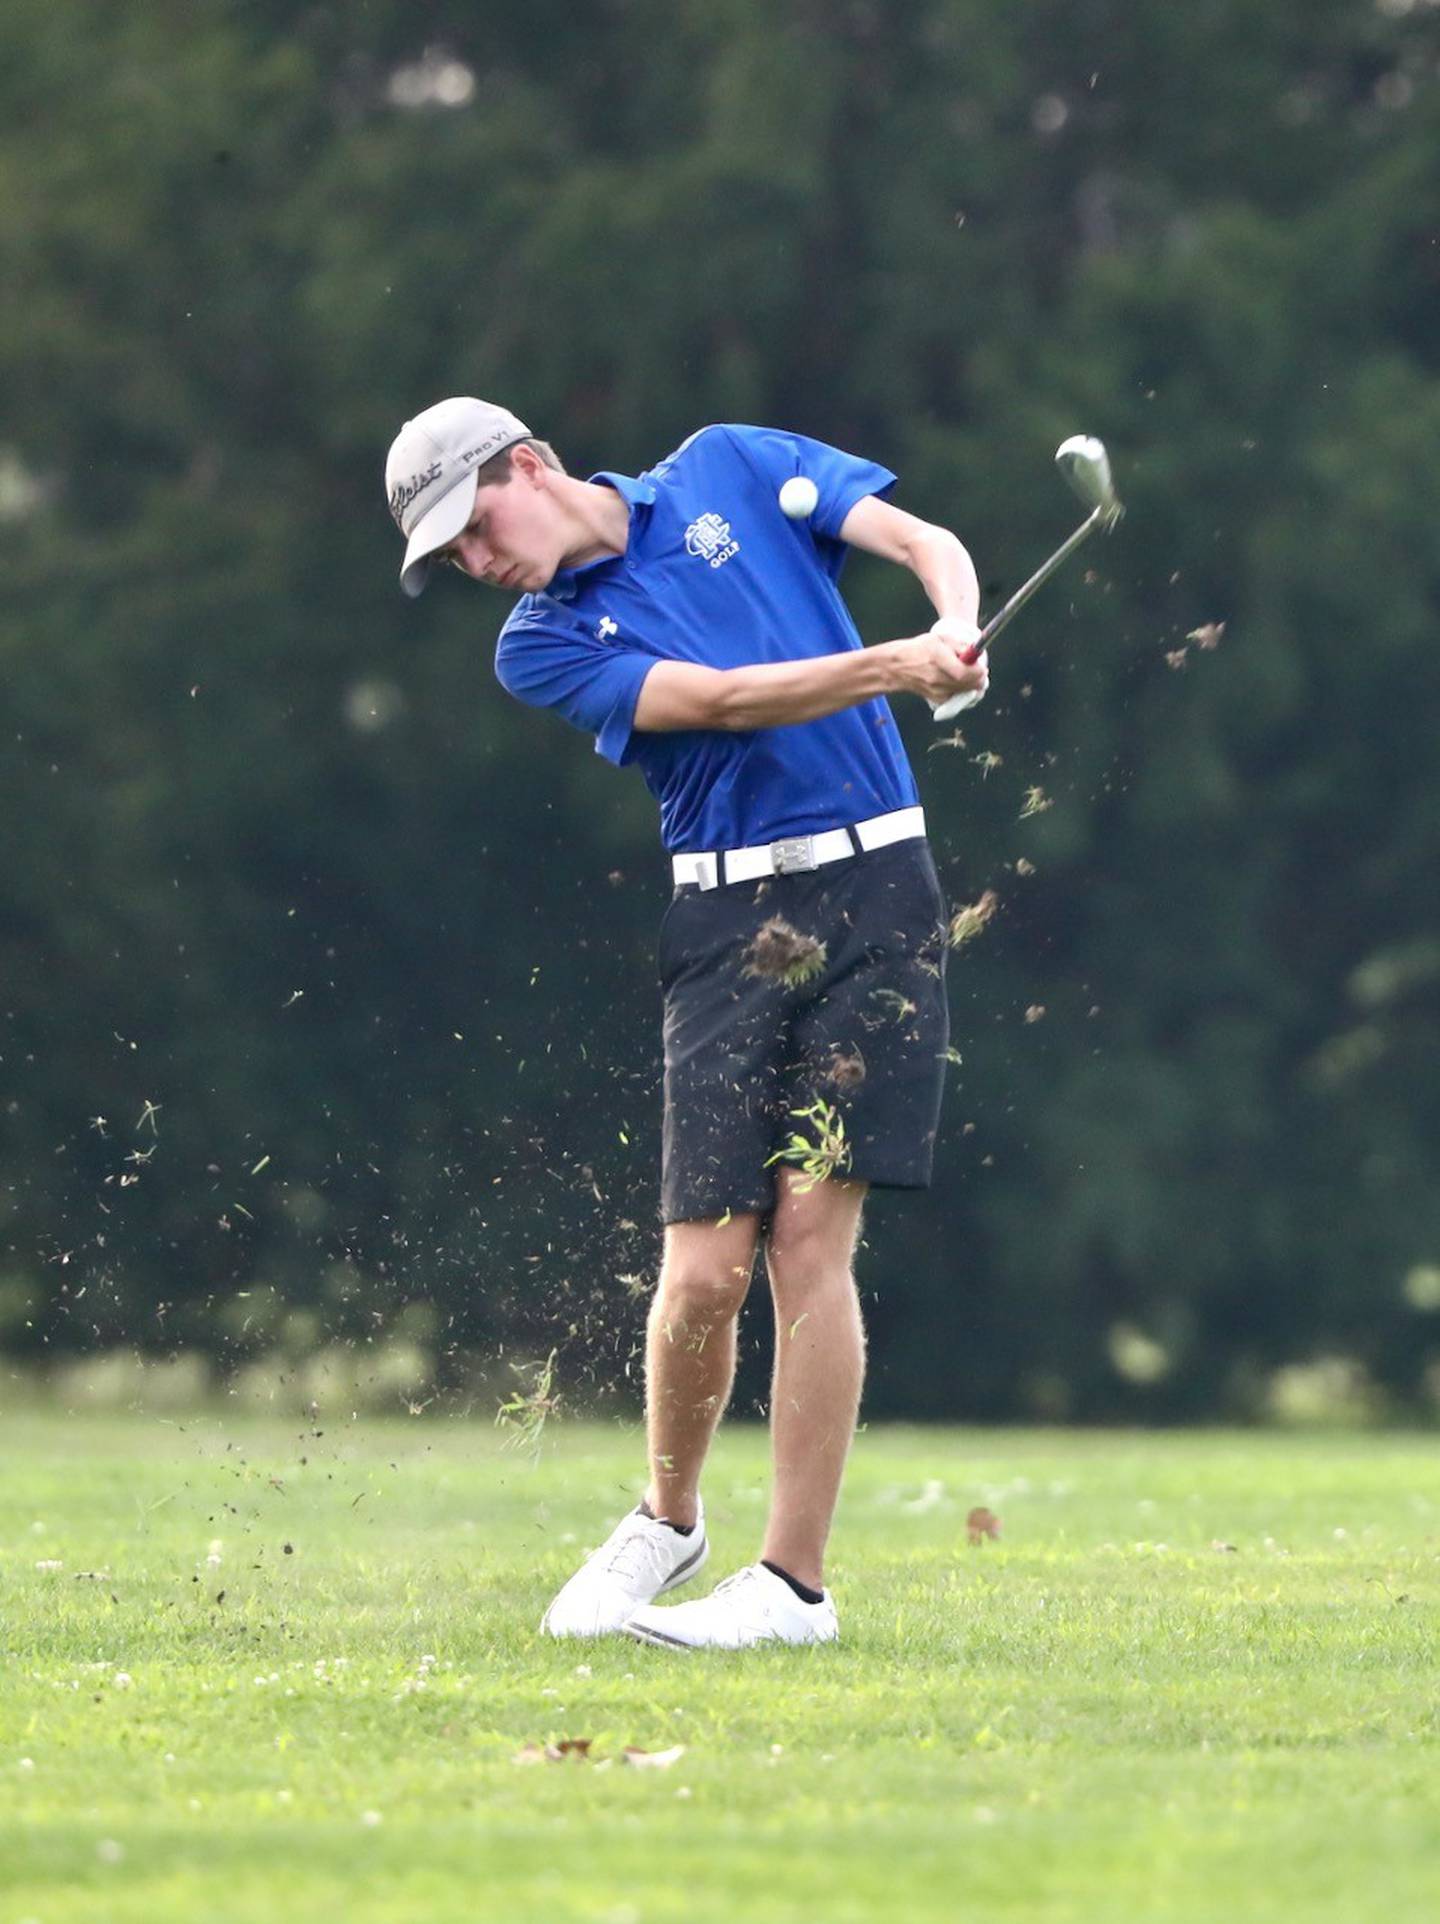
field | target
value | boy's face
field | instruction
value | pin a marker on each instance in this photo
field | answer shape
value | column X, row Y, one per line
column 514, row 538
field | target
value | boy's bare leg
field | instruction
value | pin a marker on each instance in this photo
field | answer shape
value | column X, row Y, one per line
column 819, row 1365
column 690, row 1353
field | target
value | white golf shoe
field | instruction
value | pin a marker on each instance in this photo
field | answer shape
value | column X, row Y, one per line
column 754, row 1606
column 641, row 1559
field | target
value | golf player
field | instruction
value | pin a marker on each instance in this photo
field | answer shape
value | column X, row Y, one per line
column 695, row 629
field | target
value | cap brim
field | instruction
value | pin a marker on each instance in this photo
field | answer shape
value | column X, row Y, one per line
column 434, row 528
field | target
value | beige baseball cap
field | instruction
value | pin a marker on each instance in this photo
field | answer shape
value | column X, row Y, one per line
column 430, row 474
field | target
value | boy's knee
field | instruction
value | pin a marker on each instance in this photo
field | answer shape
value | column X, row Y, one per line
column 808, row 1264
column 696, row 1290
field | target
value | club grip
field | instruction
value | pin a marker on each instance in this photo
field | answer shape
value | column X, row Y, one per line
column 972, row 654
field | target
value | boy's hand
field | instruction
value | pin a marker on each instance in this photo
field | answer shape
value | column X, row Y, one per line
column 957, row 629
column 934, row 665
column 964, row 635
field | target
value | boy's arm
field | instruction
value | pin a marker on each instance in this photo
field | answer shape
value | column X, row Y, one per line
column 681, row 695
column 936, row 557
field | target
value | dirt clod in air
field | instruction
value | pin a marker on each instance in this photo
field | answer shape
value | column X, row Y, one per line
column 845, row 1070
column 780, row 953
column 1036, row 803
column 1036, row 1012
column 894, row 1007
column 820, row 1156
column 528, row 1409
column 1208, row 635
column 969, row 921
column 980, row 1524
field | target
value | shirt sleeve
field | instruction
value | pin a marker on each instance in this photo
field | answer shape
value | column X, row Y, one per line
column 547, row 662
column 841, row 479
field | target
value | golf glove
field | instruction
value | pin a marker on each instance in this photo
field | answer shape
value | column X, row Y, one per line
column 962, row 634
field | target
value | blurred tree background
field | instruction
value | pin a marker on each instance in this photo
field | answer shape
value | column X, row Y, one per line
column 326, row 971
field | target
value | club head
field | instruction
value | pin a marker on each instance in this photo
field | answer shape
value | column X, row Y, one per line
column 1086, row 466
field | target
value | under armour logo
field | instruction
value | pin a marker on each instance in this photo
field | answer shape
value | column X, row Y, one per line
column 607, row 628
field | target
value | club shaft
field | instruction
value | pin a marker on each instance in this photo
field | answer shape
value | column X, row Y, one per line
column 1042, row 574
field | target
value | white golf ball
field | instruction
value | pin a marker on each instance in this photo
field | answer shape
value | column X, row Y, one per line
column 798, row 497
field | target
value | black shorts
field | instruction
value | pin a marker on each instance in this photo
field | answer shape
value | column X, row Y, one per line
column 840, row 1015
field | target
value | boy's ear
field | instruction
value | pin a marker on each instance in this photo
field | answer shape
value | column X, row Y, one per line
column 529, row 464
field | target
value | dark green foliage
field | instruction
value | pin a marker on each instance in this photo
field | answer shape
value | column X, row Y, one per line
column 283, row 860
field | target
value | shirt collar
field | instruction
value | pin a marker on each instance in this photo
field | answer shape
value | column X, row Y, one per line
column 633, row 491
column 636, row 494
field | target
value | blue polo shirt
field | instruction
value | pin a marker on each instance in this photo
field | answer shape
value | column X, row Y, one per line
column 714, row 573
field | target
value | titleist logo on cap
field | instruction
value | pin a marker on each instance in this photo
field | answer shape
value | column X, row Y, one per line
column 404, row 492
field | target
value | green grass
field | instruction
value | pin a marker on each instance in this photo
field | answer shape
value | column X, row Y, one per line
column 1101, row 1716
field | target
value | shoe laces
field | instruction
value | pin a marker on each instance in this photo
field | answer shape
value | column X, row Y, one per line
column 742, row 1580
column 631, row 1555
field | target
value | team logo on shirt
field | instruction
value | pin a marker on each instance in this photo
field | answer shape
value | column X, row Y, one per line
column 606, row 629
column 710, row 539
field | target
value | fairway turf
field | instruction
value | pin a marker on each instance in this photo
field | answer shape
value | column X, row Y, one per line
column 1103, row 1715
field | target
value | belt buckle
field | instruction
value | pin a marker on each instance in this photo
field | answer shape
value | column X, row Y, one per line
column 794, row 856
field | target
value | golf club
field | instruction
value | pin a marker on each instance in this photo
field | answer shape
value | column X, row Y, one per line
column 1086, row 466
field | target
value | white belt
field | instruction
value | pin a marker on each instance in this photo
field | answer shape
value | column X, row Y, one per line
column 798, row 853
